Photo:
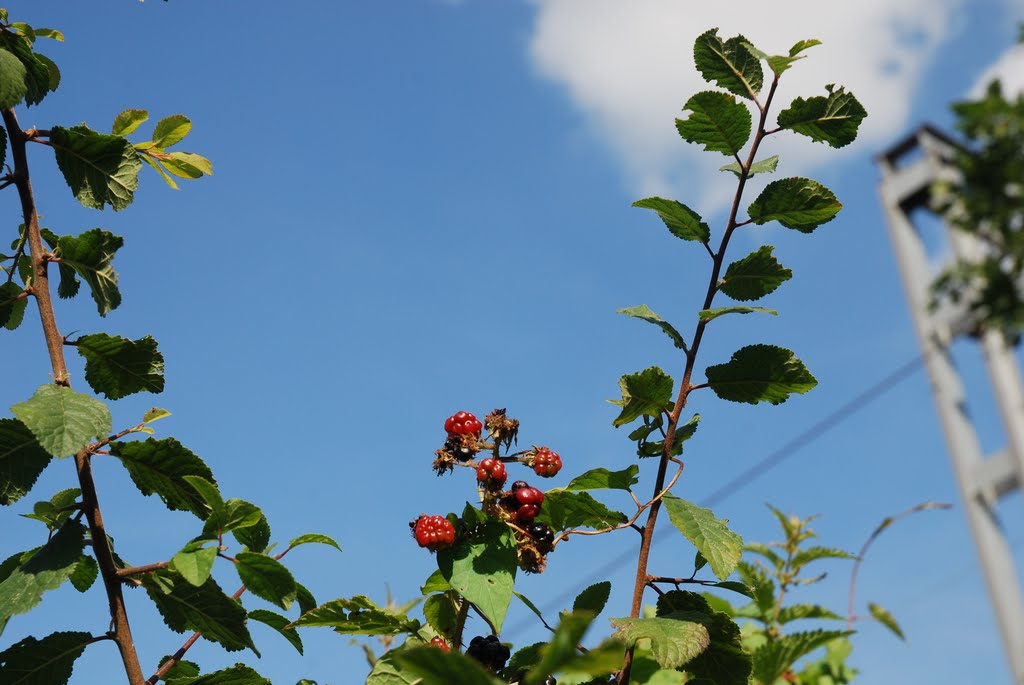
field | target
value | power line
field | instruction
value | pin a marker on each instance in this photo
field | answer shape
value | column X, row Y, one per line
column 748, row 476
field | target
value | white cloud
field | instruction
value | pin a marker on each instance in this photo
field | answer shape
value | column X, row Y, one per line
column 1009, row 69
column 629, row 67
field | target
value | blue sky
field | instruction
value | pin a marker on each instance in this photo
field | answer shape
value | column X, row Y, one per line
column 420, row 207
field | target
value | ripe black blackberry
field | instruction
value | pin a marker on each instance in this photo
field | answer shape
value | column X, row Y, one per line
column 542, row 535
column 489, row 651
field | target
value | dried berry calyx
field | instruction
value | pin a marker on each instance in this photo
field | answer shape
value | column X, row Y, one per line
column 433, row 532
column 546, row 463
column 489, row 651
column 463, row 423
column 491, row 473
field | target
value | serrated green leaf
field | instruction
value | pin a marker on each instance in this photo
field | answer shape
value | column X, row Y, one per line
column 643, row 393
column 239, row 674
column 773, row 659
column 160, row 467
column 728, row 63
column 209, row 493
column 266, row 578
column 47, row 568
column 204, row 609
column 52, row 71
column 90, row 256
column 764, row 588
column 796, row 612
column 760, row 373
column 797, row 203
column 24, row 29
column 561, row 649
column 644, row 312
column 716, row 121
column 181, row 168
column 437, row 667
column 483, row 569
column 675, row 640
column 304, row 598
column 100, row 169
column 12, row 80
column 681, row 221
column 189, row 163
column 886, row 619
column 712, row 537
column 117, row 367
column 128, row 120
column 439, row 611
column 194, row 562
column 764, row 166
column 22, row 459
column 278, row 623
column 255, row 537
column 36, row 74
column 387, row 671
column 603, row 479
column 229, row 516
column 809, row 554
column 48, row 661
column 316, row 538
column 357, row 616
column 593, row 598
column 12, row 304
column 833, row 119
column 85, row 573
column 563, row 510
column 171, row 130
column 733, row 586
column 62, row 420
column 158, row 166
column 710, row 314
column 155, row 414
column 724, row 662
column 754, row 276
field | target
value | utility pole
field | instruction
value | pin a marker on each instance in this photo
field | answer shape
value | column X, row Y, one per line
column 909, row 169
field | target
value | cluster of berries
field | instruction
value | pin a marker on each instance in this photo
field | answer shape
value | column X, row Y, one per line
column 489, row 651
column 433, row 532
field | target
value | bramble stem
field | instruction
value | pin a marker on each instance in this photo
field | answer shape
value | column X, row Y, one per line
column 685, row 387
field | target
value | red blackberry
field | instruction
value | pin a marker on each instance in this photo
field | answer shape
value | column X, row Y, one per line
column 491, row 473
column 546, row 463
column 463, row 423
column 433, row 532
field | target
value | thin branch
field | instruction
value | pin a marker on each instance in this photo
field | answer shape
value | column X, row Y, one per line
column 141, row 570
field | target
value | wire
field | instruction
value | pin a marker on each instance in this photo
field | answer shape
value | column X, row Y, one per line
column 751, row 474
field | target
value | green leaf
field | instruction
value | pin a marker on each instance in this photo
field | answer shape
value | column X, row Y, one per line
column 681, row 221
column 675, row 640
column 780, row 63
column 809, row 554
column 278, row 623
column 773, row 659
column 36, row 73
column 266, row 578
column 357, row 616
column 128, row 120
column 797, row 612
column 160, row 467
column 754, row 276
column 52, row 71
column 594, row 598
column 181, row 168
column 760, row 373
column 562, row 647
column 644, row 312
column 724, row 662
column 314, row 538
column 90, row 256
column 833, row 119
column 764, row 588
column 171, row 130
column 728, row 63
column 195, row 561
column 42, row 570
column 189, row 165
column 117, row 367
column 603, row 479
column 62, row 420
column 483, row 568
column 204, row 609
column 3, row 144
column 710, row 314
column 440, row 613
column 716, row 121
column 387, row 671
column 155, row 414
column 12, row 303
column 563, row 510
column 22, row 459
column 643, row 393
column 437, row 667
column 886, row 619
column 12, row 80
column 304, row 598
column 797, row 203
column 712, row 537
column 734, row 586
column 255, row 537
column 48, row 661
column 52, row 34
column 764, row 166
column 227, row 516
column 85, row 573
column 239, row 674
column 100, row 169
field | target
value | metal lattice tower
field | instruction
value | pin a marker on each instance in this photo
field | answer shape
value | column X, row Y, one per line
column 909, row 170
